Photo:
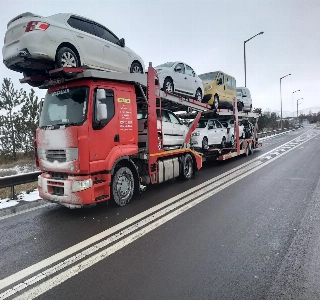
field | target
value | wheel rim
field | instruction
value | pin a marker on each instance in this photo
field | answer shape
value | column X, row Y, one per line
column 136, row 69
column 124, row 187
column 232, row 141
column 68, row 60
column 188, row 168
column 216, row 102
column 169, row 87
column 198, row 96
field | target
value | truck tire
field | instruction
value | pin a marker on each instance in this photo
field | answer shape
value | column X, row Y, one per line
column 186, row 167
column 122, row 187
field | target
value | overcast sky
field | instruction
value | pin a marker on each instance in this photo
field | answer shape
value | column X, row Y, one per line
column 208, row 35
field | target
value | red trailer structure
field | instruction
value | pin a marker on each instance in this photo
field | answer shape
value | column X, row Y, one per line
column 92, row 155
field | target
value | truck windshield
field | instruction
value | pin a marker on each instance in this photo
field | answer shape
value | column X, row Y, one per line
column 64, row 107
column 208, row 76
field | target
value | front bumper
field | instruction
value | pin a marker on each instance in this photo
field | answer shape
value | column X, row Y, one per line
column 61, row 190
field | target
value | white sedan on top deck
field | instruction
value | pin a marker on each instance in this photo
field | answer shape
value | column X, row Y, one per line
column 177, row 77
column 34, row 44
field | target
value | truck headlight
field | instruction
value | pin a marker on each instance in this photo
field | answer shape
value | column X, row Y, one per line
column 80, row 185
column 207, row 87
column 197, row 133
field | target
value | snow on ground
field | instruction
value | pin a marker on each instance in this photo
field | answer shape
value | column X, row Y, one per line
column 20, row 169
column 4, row 203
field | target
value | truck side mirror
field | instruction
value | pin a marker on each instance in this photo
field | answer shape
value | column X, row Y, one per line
column 40, row 106
column 220, row 81
column 101, row 108
column 178, row 69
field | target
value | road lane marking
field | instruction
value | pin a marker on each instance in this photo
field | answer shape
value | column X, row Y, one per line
column 18, row 276
column 90, row 261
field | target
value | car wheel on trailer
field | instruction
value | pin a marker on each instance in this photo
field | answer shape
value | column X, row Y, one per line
column 122, row 186
column 239, row 104
column 215, row 102
column 187, row 167
column 223, row 142
column 67, row 58
column 232, row 141
column 198, row 96
column 168, row 85
column 205, row 143
column 136, row 67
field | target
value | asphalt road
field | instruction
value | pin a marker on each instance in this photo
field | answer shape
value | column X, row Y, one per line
column 255, row 238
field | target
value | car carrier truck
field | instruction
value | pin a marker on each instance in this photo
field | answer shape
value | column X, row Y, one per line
column 91, row 154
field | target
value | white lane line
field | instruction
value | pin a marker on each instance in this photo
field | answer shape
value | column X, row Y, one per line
column 83, row 265
column 75, row 248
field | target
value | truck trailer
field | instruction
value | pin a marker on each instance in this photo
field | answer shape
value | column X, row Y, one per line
column 92, row 155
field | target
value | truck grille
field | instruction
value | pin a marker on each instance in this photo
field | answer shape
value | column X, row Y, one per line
column 58, row 155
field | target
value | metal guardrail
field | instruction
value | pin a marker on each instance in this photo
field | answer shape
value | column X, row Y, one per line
column 13, row 180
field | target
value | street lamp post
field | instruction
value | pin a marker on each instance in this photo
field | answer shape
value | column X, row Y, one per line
column 244, row 53
column 281, row 98
column 292, row 98
column 298, row 106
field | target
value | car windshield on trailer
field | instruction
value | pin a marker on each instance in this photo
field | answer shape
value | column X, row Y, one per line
column 208, row 76
column 202, row 124
column 166, row 65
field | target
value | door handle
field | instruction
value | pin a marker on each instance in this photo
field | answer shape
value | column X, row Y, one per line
column 116, row 138
column 80, row 36
column 224, row 87
column 107, row 46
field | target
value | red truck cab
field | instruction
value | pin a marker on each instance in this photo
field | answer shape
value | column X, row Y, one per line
column 87, row 141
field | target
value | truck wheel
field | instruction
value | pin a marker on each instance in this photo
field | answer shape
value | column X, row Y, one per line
column 122, row 186
column 187, row 167
column 248, row 149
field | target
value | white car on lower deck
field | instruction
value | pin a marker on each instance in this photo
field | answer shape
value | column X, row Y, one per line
column 209, row 132
column 174, row 131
